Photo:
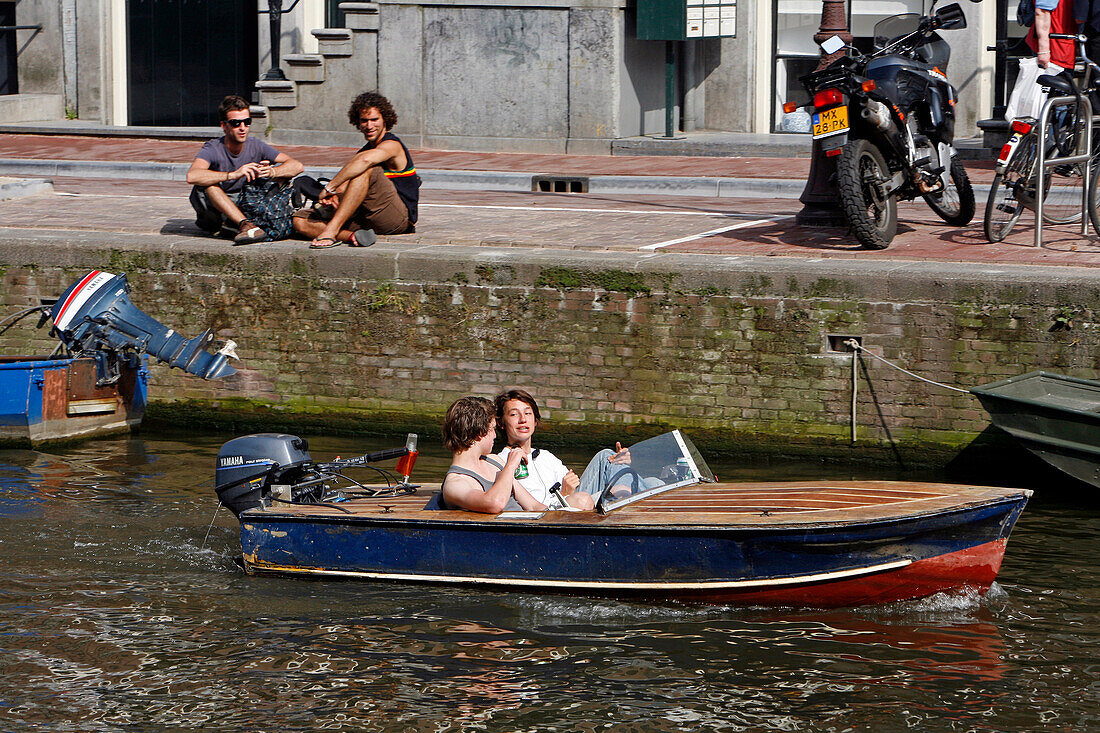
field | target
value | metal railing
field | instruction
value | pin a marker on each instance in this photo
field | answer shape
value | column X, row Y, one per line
column 1084, row 112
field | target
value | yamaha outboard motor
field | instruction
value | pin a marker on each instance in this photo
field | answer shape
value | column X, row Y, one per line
column 255, row 470
column 248, row 467
column 96, row 318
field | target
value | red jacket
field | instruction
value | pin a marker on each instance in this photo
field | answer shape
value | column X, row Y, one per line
column 1062, row 52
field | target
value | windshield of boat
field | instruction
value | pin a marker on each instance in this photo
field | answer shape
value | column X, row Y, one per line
column 666, row 462
column 891, row 29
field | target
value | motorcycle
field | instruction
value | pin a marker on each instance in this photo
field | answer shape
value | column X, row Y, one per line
column 888, row 117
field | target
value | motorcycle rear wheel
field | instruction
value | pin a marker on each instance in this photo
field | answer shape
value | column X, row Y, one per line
column 955, row 203
column 861, row 176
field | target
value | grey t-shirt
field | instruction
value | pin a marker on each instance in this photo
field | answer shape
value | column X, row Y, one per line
column 220, row 159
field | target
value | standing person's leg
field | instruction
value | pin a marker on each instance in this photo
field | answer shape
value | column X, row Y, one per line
column 1092, row 50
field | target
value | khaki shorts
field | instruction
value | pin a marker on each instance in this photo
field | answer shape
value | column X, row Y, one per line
column 382, row 210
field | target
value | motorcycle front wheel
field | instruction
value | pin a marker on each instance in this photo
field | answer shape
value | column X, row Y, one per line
column 862, row 176
column 955, row 203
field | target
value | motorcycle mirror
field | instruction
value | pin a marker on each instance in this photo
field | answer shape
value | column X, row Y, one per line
column 832, row 44
column 950, row 17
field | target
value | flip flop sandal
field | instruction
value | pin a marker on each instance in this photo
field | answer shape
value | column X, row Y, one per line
column 363, row 238
column 324, row 243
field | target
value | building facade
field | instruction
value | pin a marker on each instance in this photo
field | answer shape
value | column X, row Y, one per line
column 524, row 75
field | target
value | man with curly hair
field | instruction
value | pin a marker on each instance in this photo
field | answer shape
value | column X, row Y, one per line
column 376, row 191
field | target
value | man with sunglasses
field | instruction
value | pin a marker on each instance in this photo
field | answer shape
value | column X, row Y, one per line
column 376, row 191
column 225, row 165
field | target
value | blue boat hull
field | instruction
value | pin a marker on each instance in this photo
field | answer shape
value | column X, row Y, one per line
column 45, row 400
column 837, row 563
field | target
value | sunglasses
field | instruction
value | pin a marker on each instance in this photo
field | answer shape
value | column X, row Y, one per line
column 246, row 122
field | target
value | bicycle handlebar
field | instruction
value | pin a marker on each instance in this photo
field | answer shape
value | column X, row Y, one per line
column 1080, row 40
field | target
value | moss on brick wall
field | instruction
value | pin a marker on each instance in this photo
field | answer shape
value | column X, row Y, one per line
column 738, row 358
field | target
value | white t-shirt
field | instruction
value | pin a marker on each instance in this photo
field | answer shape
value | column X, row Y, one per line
column 543, row 471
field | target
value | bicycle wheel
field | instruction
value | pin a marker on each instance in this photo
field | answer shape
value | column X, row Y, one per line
column 1007, row 197
column 1094, row 193
column 955, row 203
column 1062, row 202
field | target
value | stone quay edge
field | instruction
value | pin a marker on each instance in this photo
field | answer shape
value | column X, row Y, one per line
column 737, row 350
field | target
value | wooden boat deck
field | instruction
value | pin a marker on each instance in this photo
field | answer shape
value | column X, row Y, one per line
column 792, row 503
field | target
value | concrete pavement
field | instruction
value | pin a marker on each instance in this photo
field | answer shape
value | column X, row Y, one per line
column 104, row 187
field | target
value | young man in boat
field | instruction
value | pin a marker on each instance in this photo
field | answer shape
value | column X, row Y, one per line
column 225, row 165
column 375, row 192
column 518, row 416
column 475, row 481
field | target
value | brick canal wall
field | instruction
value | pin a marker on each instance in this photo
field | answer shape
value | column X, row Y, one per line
column 735, row 350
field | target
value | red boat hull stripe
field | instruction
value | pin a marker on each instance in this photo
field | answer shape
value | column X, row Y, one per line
column 973, row 568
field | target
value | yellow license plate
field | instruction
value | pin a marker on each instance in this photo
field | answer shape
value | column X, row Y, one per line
column 830, row 122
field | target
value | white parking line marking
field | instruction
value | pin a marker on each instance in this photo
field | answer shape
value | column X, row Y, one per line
column 655, row 212
column 701, row 235
column 645, row 212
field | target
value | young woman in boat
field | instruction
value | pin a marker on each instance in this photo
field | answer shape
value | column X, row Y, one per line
column 476, row 481
column 518, row 416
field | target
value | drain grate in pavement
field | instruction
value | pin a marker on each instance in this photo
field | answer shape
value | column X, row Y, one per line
column 560, row 184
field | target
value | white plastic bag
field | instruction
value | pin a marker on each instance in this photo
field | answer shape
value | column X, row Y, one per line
column 1027, row 96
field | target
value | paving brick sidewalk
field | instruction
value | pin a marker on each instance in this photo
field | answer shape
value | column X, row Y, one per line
column 105, row 209
column 72, row 147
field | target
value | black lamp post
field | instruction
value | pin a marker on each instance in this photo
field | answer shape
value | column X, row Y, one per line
column 275, row 18
column 820, row 206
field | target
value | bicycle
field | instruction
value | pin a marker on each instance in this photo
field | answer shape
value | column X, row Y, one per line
column 1016, row 181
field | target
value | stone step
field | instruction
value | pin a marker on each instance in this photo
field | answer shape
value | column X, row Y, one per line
column 333, row 41
column 305, row 67
column 278, row 94
column 360, row 16
column 31, row 107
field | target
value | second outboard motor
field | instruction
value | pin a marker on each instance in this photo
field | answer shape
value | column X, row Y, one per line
column 95, row 318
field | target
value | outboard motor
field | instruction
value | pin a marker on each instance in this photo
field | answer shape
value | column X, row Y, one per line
column 254, row 470
column 96, row 318
column 249, row 466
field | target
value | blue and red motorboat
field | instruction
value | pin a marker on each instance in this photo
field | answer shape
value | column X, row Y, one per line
column 664, row 530
column 94, row 383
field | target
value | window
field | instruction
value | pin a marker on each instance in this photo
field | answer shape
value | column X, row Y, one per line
column 796, row 54
column 9, row 76
column 334, row 16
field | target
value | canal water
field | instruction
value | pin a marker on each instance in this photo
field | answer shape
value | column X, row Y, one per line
column 118, row 612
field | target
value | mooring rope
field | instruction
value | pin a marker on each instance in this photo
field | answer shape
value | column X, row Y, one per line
column 856, row 346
